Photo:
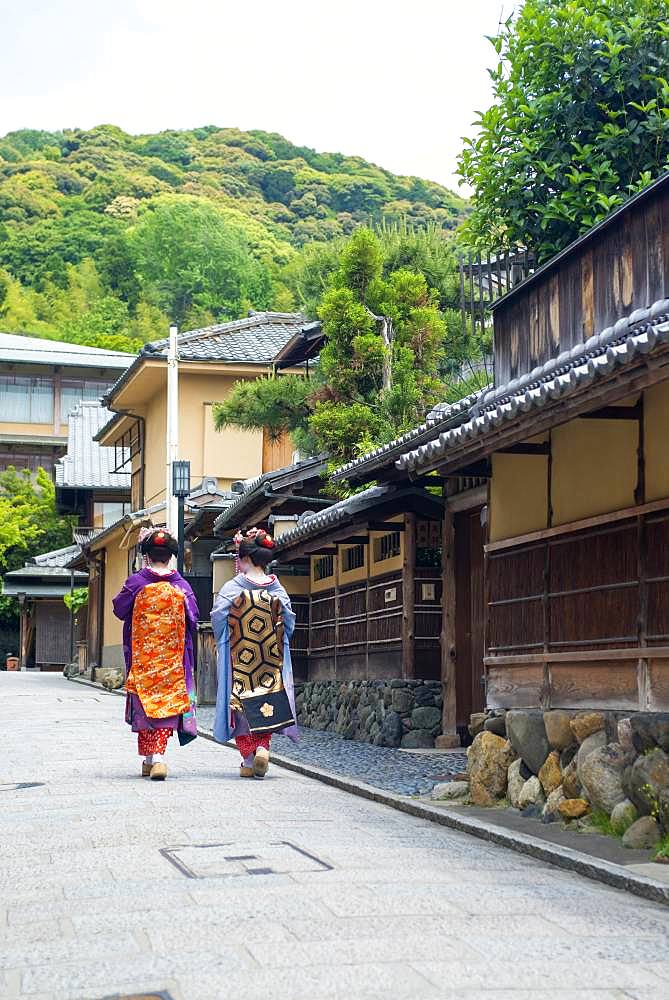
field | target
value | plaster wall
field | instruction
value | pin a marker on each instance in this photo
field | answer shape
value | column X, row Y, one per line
column 656, row 440
column 594, row 468
column 518, row 495
column 116, row 572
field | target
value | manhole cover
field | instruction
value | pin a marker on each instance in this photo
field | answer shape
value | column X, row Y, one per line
column 17, row 786
column 233, row 859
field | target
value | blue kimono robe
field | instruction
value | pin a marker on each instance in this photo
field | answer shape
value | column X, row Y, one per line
column 228, row 723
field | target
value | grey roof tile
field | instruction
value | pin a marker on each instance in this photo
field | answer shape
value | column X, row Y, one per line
column 16, row 348
column 255, row 339
column 56, row 559
column 230, row 516
column 571, row 372
column 87, row 464
column 308, row 524
column 441, row 415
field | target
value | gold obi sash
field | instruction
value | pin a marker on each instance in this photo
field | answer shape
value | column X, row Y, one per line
column 256, row 654
column 158, row 638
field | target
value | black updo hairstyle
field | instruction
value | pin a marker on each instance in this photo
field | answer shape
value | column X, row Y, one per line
column 257, row 553
column 159, row 546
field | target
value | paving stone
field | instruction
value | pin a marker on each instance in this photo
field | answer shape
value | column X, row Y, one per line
column 78, row 916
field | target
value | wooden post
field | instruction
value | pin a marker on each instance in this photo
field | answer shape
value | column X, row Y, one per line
column 409, row 597
column 449, row 737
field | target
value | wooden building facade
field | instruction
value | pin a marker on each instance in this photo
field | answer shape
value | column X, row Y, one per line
column 572, row 442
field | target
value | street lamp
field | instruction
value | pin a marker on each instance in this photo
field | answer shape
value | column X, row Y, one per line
column 181, row 489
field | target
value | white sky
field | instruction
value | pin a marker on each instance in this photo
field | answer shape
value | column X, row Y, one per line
column 395, row 82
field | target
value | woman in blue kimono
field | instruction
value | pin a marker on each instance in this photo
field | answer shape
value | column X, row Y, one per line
column 255, row 550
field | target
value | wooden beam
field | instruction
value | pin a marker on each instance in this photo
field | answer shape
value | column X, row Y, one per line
column 625, row 514
column 409, row 597
column 479, row 470
column 449, row 737
column 386, row 525
column 525, row 449
column 615, row 413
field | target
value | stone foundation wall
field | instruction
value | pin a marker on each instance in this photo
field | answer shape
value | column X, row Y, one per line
column 391, row 713
column 573, row 767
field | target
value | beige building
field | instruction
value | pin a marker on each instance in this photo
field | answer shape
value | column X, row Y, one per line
column 211, row 361
column 41, row 383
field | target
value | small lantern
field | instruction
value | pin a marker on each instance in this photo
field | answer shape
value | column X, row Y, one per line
column 180, row 479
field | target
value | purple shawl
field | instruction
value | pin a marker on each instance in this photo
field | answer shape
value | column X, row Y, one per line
column 123, row 604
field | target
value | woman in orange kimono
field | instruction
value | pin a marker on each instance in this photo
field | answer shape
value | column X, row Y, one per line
column 159, row 614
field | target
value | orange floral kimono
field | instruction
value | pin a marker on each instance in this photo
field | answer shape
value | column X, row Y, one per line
column 156, row 674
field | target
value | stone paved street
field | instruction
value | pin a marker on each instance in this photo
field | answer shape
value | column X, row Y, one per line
column 393, row 770
column 110, row 884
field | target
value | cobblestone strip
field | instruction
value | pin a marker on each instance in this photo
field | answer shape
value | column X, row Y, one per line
column 383, row 767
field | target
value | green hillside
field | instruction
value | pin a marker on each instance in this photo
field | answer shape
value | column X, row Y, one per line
column 104, row 235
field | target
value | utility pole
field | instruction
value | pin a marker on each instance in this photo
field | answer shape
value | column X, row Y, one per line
column 172, row 442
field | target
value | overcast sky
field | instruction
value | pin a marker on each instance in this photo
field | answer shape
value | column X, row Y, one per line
column 395, row 82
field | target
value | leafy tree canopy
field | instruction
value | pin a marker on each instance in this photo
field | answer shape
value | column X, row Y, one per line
column 29, row 524
column 580, row 120
column 392, row 347
column 195, row 225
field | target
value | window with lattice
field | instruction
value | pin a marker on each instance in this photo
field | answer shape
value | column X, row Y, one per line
column 354, row 558
column 323, row 567
column 387, row 546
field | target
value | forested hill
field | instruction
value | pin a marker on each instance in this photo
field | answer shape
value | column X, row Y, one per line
column 103, row 235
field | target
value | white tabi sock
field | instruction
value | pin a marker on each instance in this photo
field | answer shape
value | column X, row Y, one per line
column 248, row 761
column 157, row 758
column 148, row 759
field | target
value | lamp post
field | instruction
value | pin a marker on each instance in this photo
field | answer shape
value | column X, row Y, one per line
column 180, row 490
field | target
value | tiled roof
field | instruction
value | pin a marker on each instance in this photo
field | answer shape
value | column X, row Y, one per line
column 56, row 559
column 309, row 524
column 639, row 334
column 255, row 339
column 16, row 348
column 257, row 486
column 441, row 416
column 87, row 464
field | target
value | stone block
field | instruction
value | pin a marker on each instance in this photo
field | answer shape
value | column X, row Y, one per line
column 448, row 791
column 642, row 834
column 647, row 781
column 417, row 739
column 591, row 743
column 601, row 774
column 392, row 730
column 425, row 718
column 558, row 730
column 551, row 809
column 496, row 724
column 550, row 774
column 424, row 696
column 476, row 723
column 402, row 700
column 527, row 733
column 623, row 815
column 515, row 782
column 573, row 808
column 586, row 723
column 531, row 794
column 489, row 757
column 571, row 786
